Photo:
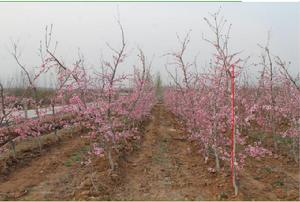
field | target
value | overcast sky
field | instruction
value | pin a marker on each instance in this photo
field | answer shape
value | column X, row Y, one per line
column 151, row 26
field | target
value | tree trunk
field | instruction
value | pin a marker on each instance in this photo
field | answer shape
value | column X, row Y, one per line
column 110, row 159
column 13, row 147
column 217, row 159
column 26, row 110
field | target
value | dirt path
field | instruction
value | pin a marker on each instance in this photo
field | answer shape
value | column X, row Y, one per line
column 42, row 175
column 163, row 169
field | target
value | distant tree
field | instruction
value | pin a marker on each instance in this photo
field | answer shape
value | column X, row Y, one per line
column 158, row 85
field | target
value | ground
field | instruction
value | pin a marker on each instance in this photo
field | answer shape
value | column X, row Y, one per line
column 163, row 165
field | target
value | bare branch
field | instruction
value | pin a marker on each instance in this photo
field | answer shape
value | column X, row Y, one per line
column 282, row 64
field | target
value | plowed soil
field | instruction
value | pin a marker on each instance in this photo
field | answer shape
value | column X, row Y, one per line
column 163, row 165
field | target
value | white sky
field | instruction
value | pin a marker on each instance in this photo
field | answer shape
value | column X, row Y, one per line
column 151, row 26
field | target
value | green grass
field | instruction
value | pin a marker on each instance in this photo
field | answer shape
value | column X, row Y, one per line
column 268, row 170
column 278, row 183
column 68, row 163
column 78, row 157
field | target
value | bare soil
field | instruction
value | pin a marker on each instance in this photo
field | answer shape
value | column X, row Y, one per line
column 163, row 165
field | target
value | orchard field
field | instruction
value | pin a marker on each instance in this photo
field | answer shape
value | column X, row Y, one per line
column 109, row 135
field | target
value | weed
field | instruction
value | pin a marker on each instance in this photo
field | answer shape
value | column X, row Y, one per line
column 68, row 163
column 158, row 159
column 278, row 183
column 257, row 178
column 77, row 157
column 268, row 170
column 223, row 196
